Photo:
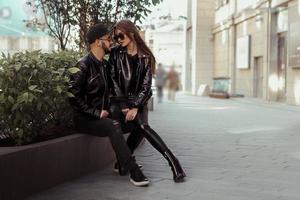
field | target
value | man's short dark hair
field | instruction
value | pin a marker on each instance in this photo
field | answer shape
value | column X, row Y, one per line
column 95, row 32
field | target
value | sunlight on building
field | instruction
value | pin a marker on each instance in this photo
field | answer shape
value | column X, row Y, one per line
column 258, row 21
column 282, row 23
column 224, row 37
column 297, row 92
column 258, row 24
column 274, row 83
column 299, row 7
column 281, row 83
column 245, row 3
column 245, row 28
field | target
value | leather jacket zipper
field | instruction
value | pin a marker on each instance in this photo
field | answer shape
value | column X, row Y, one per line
column 92, row 79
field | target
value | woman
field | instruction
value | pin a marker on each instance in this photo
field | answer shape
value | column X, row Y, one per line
column 132, row 64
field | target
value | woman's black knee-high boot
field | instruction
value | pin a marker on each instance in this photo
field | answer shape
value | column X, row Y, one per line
column 159, row 145
column 178, row 173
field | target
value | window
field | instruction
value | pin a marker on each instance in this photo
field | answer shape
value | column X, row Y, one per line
column 243, row 4
column 13, row 43
column 220, row 3
column 33, row 43
column 282, row 21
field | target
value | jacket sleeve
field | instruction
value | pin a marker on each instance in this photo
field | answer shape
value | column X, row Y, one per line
column 146, row 92
column 113, row 82
column 76, row 87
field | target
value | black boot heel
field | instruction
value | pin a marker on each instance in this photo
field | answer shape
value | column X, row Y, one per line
column 178, row 173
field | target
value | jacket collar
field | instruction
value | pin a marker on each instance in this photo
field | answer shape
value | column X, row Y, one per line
column 123, row 50
column 92, row 56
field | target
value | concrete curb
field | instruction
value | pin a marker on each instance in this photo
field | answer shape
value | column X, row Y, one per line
column 26, row 170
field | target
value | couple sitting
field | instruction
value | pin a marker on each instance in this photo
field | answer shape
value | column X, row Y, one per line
column 110, row 97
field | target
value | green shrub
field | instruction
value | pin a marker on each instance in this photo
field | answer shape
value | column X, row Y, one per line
column 33, row 92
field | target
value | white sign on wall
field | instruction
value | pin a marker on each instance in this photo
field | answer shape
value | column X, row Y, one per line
column 243, row 52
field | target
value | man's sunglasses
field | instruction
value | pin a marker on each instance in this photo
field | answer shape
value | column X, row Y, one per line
column 120, row 36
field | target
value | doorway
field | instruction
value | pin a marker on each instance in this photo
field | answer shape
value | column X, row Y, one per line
column 258, row 77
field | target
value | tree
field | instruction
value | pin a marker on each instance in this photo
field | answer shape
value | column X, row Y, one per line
column 90, row 12
column 63, row 15
column 58, row 18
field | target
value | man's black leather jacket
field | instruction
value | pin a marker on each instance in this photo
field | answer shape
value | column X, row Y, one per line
column 138, row 91
column 90, row 87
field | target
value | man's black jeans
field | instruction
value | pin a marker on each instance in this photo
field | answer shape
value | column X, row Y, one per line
column 106, row 128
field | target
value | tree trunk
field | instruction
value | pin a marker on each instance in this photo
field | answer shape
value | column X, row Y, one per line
column 82, row 30
column 62, row 45
column 82, row 39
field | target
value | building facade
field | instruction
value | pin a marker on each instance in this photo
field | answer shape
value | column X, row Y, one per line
column 15, row 35
column 167, row 42
column 256, row 46
column 198, row 68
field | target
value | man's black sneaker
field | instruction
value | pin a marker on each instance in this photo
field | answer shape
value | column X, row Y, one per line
column 116, row 168
column 137, row 178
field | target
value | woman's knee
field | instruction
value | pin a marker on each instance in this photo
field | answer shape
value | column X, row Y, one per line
column 145, row 126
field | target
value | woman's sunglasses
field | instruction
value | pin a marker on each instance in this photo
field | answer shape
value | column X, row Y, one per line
column 120, row 36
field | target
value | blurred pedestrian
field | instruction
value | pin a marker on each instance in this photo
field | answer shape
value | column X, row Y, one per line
column 173, row 83
column 160, row 80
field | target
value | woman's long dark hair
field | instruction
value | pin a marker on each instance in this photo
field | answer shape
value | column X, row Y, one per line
column 128, row 28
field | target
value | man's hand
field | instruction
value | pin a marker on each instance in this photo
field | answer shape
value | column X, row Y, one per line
column 131, row 114
column 104, row 114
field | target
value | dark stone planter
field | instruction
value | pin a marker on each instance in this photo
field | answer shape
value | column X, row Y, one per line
column 26, row 170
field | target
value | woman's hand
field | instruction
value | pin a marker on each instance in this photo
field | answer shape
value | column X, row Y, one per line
column 131, row 114
column 104, row 114
column 125, row 111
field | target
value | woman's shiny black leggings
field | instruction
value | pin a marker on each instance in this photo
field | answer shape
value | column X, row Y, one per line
column 138, row 129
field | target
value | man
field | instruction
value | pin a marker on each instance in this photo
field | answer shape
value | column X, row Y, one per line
column 160, row 79
column 90, row 102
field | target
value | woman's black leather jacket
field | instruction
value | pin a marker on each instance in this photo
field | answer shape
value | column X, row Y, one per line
column 138, row 91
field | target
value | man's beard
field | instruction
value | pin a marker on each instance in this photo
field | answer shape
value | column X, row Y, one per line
column 105, row 48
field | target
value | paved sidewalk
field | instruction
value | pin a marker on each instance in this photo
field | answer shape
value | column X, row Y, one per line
column 237, row 149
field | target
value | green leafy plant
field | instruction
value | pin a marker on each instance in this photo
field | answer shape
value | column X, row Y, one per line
column 33, row 92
